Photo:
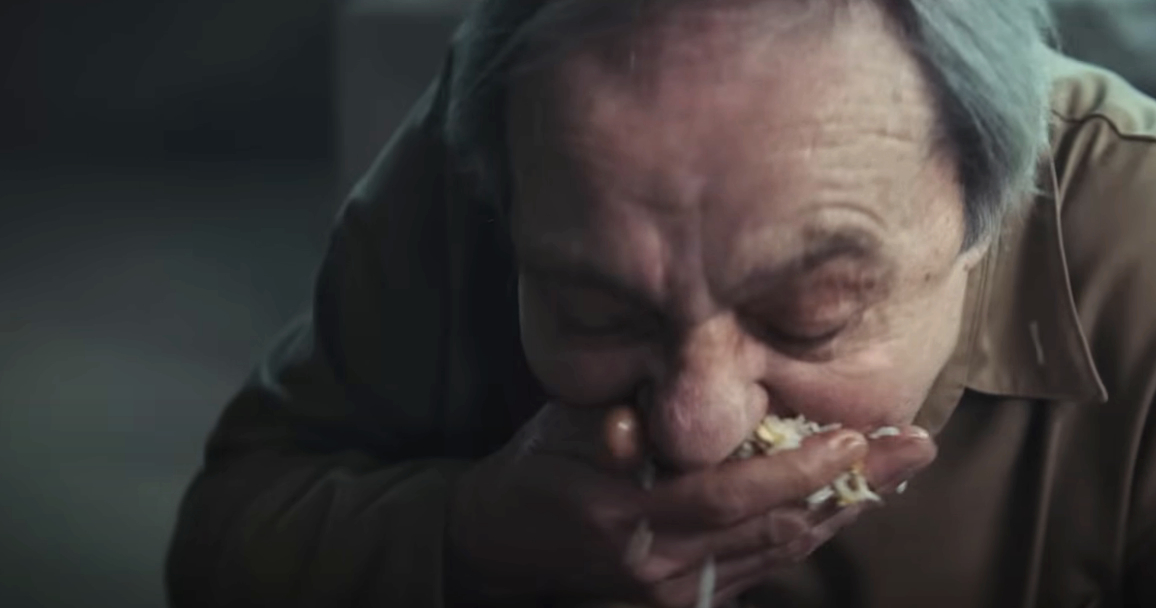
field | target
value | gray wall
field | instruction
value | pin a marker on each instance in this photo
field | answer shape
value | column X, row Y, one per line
column 167, row 77
column 387, row 54
column 167, row 176
column 135, row 299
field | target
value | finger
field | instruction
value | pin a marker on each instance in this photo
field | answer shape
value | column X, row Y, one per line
column 739, row 574
column 894, row 459
column 735, row 491
column 771, row 529
column 779, row 529
column 622, row 436
column 775, row 528
column 684, row 590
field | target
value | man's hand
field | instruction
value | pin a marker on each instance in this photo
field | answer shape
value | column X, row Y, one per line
column 559, row 512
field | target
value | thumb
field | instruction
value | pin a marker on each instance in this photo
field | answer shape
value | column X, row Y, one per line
column 608, row 438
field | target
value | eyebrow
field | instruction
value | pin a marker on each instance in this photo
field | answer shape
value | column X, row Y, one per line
column 820, row 247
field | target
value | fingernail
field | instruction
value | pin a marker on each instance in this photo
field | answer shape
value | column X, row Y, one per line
column 847, row 442
column 883, row 431
column 918, row 432
column 901, row 478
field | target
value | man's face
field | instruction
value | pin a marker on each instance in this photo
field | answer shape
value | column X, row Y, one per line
column 718, row 227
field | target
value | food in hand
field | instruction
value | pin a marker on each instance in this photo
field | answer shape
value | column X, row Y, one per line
column 776, row 434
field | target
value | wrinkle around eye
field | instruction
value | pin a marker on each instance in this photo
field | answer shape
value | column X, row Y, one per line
column 815, row 346
column 796, row 341
column 625, row 327
column 614, row 324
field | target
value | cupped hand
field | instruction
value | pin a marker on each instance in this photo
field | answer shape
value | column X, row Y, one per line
column 559, row 512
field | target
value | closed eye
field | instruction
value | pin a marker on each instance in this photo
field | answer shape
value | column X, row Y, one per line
column 589, row 313
column 803, row 341
column 578, row 323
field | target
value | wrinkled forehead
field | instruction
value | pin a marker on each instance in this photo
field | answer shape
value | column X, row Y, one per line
column 688, row 90
column 686, row 131
column 716, row 63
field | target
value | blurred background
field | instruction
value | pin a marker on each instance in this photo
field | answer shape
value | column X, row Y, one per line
column 168, row 172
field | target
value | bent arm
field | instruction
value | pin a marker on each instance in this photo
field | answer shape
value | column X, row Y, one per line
column 327, row 479
column 314, row 491
column 340, row 530
column 1140, row 558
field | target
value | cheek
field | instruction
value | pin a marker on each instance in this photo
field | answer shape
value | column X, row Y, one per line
column 886, row 383
column 570, row 373
column 873, row 389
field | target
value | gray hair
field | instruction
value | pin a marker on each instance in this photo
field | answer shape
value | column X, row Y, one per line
column 985, row 61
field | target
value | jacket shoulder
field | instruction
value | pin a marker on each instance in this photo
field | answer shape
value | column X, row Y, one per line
column 1104, row 155
column 1083, row 93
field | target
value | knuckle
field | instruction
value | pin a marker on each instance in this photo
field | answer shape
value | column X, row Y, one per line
column 609, row 513
column 782, row 527
column 793, row 552
column 840, row 520
column 663, row 596
column 724, row 506
column 802, row 547
column 641, row 574
column 773, row 558
column 803, row 476
column 648, row 573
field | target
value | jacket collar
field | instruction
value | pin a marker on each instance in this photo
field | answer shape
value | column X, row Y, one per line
column 1021, row 335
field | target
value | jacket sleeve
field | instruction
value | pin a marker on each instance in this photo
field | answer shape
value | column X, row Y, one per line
column 1140, row 554
column 326, row 480
column 1133, row 252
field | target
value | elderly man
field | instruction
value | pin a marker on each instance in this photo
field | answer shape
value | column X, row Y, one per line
column 618, row 234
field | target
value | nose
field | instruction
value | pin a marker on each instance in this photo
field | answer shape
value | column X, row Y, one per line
column 706, row 398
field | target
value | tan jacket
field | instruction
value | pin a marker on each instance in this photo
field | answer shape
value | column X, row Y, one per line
column 325, row 483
